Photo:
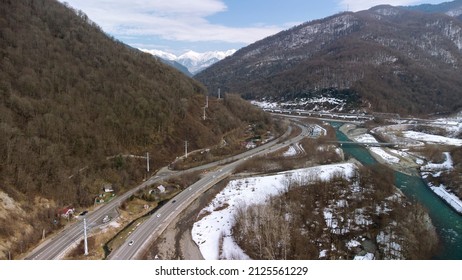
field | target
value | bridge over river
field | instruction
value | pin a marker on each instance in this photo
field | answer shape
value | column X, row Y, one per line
column 365, row 144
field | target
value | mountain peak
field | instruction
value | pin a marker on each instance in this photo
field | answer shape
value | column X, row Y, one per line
column 194, row 61
column 386, row 10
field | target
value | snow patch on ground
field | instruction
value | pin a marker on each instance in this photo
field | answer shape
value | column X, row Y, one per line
column 365, row 138
column 388, row 241
column 445, row 166
column 294, row 150
column 425, row 137
column 435, row 170
column 213, row 232
column 368, row 138
column 384, row 155
column 290, row 152
column 265, row 104
column 366, row 257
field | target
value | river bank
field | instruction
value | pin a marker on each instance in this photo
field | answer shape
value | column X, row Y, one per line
column 448, row 223
column 397, row 160
column 402, row 161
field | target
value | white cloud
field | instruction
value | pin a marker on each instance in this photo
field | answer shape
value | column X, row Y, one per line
column 358, row 5
column 181, row 20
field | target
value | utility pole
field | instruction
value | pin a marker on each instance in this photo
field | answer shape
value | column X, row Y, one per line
column 186, row 149
column 85, row 236
column 219, row 90
column 203, row 117
column 206, row 101
column 147, row 162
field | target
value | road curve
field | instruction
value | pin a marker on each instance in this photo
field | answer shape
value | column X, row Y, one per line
column 141, row 239
column 57, row 246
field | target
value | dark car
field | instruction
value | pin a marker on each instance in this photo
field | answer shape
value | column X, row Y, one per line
column 84, row 213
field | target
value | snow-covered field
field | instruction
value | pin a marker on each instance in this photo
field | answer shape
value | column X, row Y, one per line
column 212, row 233
column 365, row 138
column 301, row 102
column 435, row 170
column 265, row 104
column 384, row 155
column 430, row 138
column 453, row 128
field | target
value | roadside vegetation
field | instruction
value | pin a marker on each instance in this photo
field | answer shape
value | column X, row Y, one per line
column 315, row 151
column 258, row 128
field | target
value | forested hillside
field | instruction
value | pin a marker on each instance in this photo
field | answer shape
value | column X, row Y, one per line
column 453, row 8
column 70, row 97
column 395, row 60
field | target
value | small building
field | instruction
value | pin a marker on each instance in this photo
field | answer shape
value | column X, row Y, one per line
column 161, row 188
column 108, row 188
column 66, row 212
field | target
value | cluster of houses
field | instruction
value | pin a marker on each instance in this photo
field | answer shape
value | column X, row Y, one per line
column 68, row 212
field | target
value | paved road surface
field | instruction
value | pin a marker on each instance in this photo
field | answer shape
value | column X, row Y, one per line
column 57, row 246
column 141, row 239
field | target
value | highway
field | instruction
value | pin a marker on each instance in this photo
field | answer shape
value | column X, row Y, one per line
column 57, row 246
column 141, row 239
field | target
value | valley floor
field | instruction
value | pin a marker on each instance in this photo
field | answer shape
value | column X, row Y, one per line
column 407, row 160
column 206, row 233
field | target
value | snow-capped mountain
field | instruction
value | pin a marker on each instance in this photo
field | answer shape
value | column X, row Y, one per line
column 161, row 54
column 194, row 61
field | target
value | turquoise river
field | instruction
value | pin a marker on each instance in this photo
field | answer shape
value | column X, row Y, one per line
column 447, row 221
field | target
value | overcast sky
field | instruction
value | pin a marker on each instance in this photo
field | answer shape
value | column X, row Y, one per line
column 177, row 26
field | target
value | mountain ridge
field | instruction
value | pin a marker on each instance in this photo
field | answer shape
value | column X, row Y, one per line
column 453, row 8
column 381, row 54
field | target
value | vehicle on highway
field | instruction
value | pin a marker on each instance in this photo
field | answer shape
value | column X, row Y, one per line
column 173, row 201
column 106, row 219
column 131, row 243
column 158, row 215
column 83, row 213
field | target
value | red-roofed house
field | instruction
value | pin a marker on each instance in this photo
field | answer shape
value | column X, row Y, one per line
column 66, row 212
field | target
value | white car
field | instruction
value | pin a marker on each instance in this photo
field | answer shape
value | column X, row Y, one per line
column 131, row 243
